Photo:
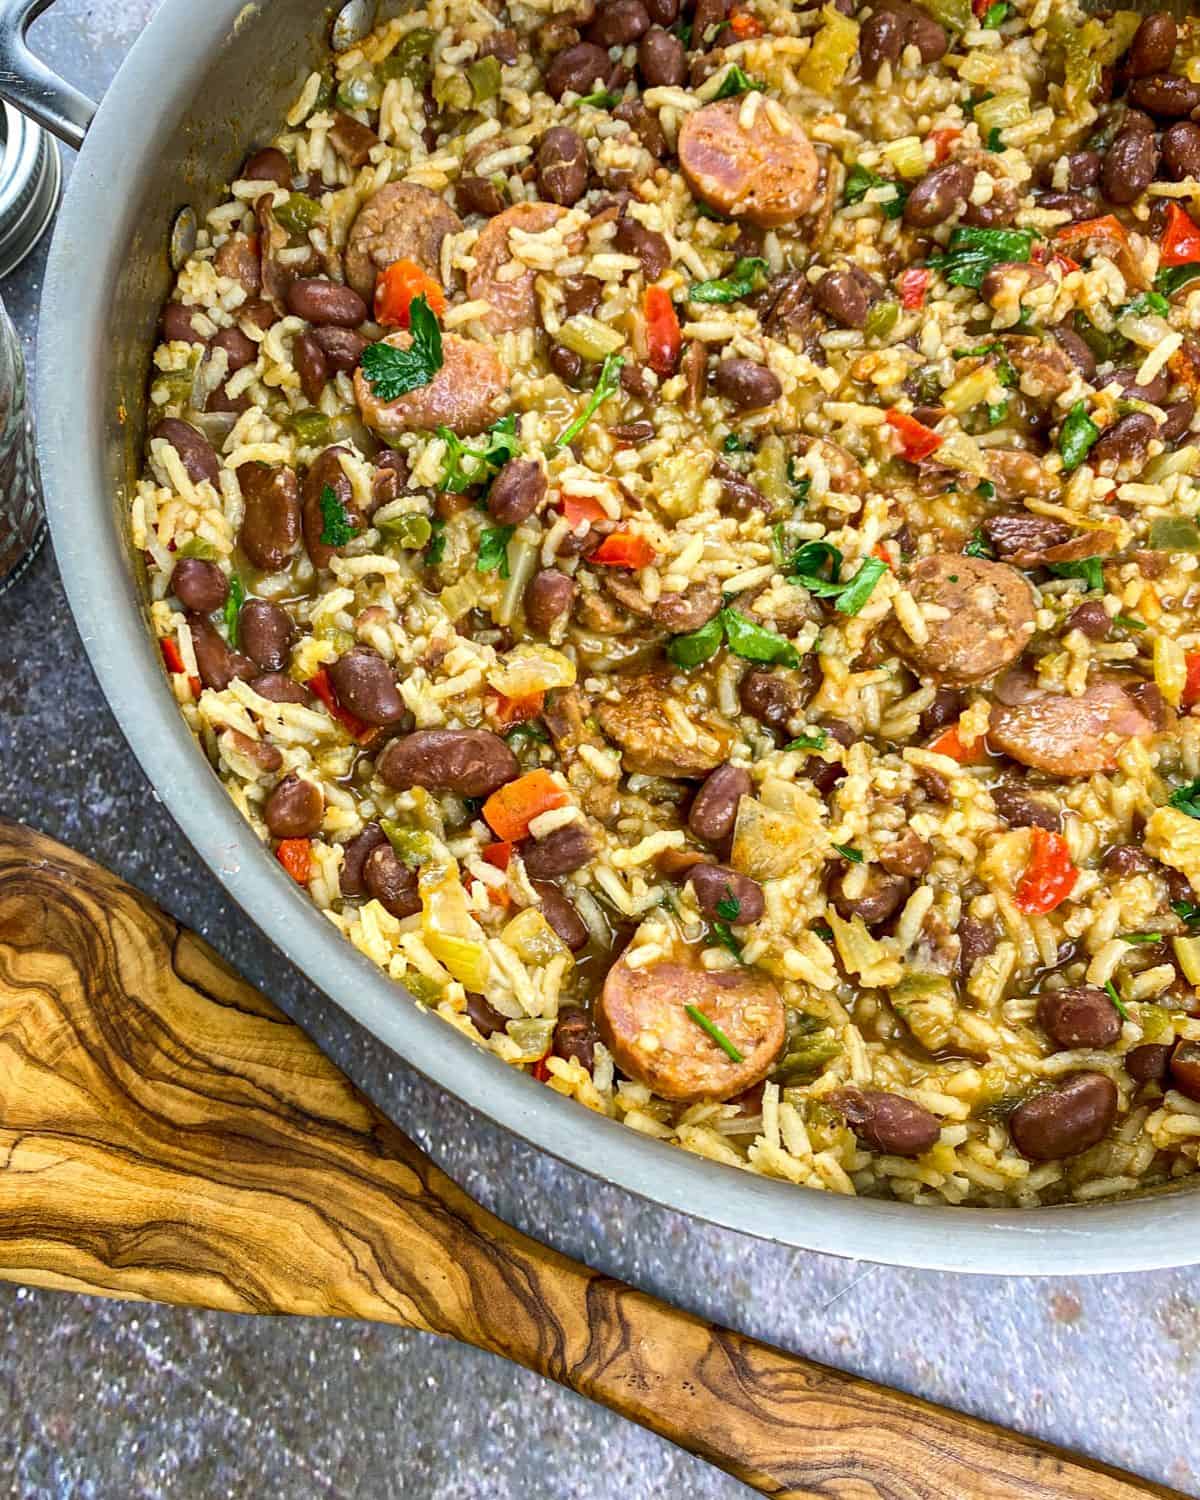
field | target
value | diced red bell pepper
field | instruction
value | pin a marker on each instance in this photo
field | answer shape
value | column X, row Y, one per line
column 295, row 855
column 743, row 25
column 1181, row 238
column 1106, row 232
column 1191, row 688
column 625, row 549
column 581, row 508
column 950, row 743
column 498, row 854
column 916, row 440
column 1049, row 876
column 979, row 8
column 510, row 810
column 355, row 727
column 174, row 661
column 663, row 338
column 942, row 141
column 540, row 1071
column 914, row 283
column 510, row 711
column 398, row 286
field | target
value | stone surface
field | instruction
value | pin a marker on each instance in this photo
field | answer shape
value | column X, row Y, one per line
column 99, row 1399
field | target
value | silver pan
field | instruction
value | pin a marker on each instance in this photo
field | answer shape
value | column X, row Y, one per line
column 202, row 83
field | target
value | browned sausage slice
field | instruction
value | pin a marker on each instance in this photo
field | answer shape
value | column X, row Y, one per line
column 400, row 222
column 514, row 303
column 642, row 1018
column 1068, row 736
column 651, row 744
column 678, row 613
column 467, row 394
column 988, row 617
column 756, row 173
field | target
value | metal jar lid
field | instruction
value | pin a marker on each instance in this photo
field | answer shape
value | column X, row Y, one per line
column 30, row 185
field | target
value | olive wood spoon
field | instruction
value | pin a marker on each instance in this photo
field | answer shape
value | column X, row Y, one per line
column 167, row 1134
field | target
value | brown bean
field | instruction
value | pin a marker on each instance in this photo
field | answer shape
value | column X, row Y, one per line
column 502, row 44
column 752, row 173
column 477, row 195
column 239, row 349
column 221, row 400
column 618, row 23
column 267, row 632
column 714, row 808
column 771, row 698
column 1165, row 95
column 240, row 260
column 989, row 622
column 1185, row 1069
column 645, row 125
column 264, row 755
column 1153, row 45
column 1125, row 442
column 548, row 599
column 1149, row 1063
column 885, row 1122
column 632, row 238
column 880, row 40
column 662, row 12
column 881, row 897
column 1075, row 349
column 580, row 69
column 177, row 324
column 1075, row 205
column 1080, row 1016
column 662, row 59
column 1155, row 392
column 486, row 1020
column 1021, row 809
column 562, row 166
column 746, row 385
column 217, row 663
column 517, row 491
column 582, row 294
column 559, row 853
column 268, row 165
column 938, row 194
column 1126, row 859
column 341, row 347
column 259, row 314
column 313, row 367
column 976, row 940
column 324, row 303
column 390, row 881
column 270, row 531
column 707, row 22
column 908, row 854
column 847, row 295
column 720, row 890
column 352, row 140
column 199, row 585
column 1083, row 169
column 562, row 916
column 325, row 473
column 1066, row 1119
column 1177, row 420
column 278, row 687
column 921, row 31
column 575, row 1037
column 1130, row 165
column 294, row 809
column 196, row 453
column 566, row 364
column 354, row 856
column 1090, row 619
column 366, row 685
column 471, row 762
column 947, row 705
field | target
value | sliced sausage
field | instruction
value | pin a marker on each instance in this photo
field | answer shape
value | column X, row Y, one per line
column 1069, row 736
column 642, row 1019
column 196, row 453
column 513, row 302
column 886, row 1122
column 1079, row 1016
column 756, row 174
column 267, row 632
column 400, row 222
column 1066, row 1119
column 294, row 809
column 989, row 617
column 471, row 762
column 467, row 394
column 650, row 743
column 678, row 613
column 270, row 531
column 714, row 807
column 366, row 685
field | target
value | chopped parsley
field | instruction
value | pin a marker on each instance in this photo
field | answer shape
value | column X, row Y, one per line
column 606, row 386
column 746, row 639
column 337, row 529
column 729, row 908
column 736, row 82
column 996, row 15
column 1076, row 437
column 1187, row 911
column 1090, row 569
column 859, row 182
column 493, row 550
column 694, row 1013
column 1145, row 302
column 528, row 729
column 848, row 597
column 695, row 648
column 996, row 412
column 1187, row 799
column 817, row 740
column 467, row 466
column 391, row 372
column 1137, row 938
column 1111, row 991
column 1171, row 278
column 994, row 143
column 1129, row 622
column 601, row 99
column 734, row 444
column 973, row 252
column 196, row 546
column 847, row 851
column 683, row 30
column 233, row 608
column 979, row 546
column 436, row 550
column 748, row 275
column 986, row 488
column 809, row 561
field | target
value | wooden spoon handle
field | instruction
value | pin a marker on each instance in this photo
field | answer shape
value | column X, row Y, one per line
column 166, row 1133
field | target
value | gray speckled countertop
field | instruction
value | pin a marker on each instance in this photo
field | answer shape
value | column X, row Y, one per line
column 99, row 1399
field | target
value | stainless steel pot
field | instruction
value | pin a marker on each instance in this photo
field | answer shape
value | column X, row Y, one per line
column 202, row 83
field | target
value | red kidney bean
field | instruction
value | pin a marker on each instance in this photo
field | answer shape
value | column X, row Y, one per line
column 938, row 193
column 618, row 23
column 566, row 364
column 199, row 585
column 846, row 295
column 177, row 325
column 886, row 1122
column 1165, row 94
column 1091, row 619
column 561, row 915
column 1185, row 1069
column 366, row 685
column 1149, row 1063
column 1130, row 165
column 322, row 303
column 908, row 854
column 976, row 940
column 632, row 238
column 1177, row 420
column 1126, row 441
column 240, row 349
column 718, row 888
column 1066, row 1119
column 548, row 599
column 662, row 59
column 517, row 491
column 579, row 69
column 559, row 853
column 354, row 856
column 880, row 40
column 882, row 896
column 390, row 881
column 472, row 762
column 1153, row 45
column 476, row 195
column 714, row 808
column 1079, row 1016
column 265, row 756
column 747, row 386
column 217, row 663
column 1021, row 809
column 196, row 453
column 278, row 687
column 267, row 632
column 268, row 165
column 294, row 809
column 311, row 365
column 486, row 1020
column 575, row 1037
column 342, row 347
column 562, row 166
column 270, row 531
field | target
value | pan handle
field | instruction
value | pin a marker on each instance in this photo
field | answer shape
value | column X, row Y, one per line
column 33, row 88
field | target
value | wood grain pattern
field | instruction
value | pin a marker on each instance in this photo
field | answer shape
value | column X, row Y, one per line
column 166, row 1133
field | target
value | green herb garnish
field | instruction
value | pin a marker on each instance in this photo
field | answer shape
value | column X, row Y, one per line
column 734, row 444
column 695, row 648
column 996, row 412
column 748, row 275
column 736, row 82
column 197, row 547
column 746, row 639
column 1171, row 278
column 1076, row 437
column 606, row 386
column 528, row 729
column 1129, row 622
column 391, row 372
column 337, row 529
column 467, row 466
column 1187, row 911
column 859, row 181
column 1111, row 991
column 695, row 1014
column 233, row 608
column 729, row 908
column 1187, row 799
column 849, row 597
column 815, row 741
column 808, row 561
column 996, row 15
column 436, row 549
column 847, row 851
column 601, row 99
column 978, row 546
column 493, row 550
column 994, row 143
column 1144, row 302
column 1090, row 569
column 973, row 252
column 1137, row 938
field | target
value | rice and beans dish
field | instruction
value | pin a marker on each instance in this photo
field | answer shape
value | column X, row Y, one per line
column 679, row 528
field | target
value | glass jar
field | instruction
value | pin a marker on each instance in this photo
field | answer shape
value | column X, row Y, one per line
column 22, row 518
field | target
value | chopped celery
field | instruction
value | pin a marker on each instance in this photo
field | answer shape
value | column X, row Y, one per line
column 1174, row 534
column 833, row 50
column 411, row 59
column 484, row 75
column 881, row 319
